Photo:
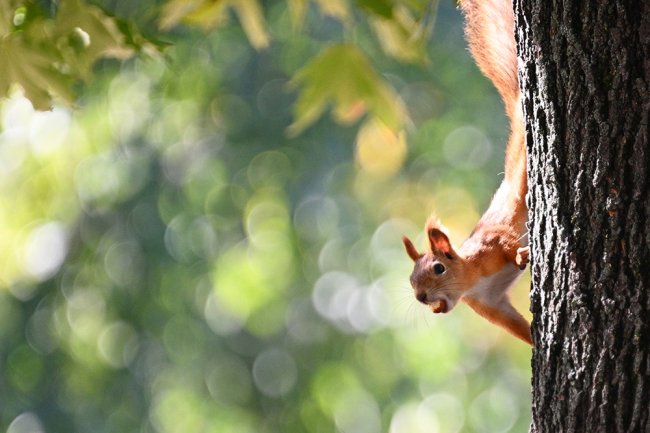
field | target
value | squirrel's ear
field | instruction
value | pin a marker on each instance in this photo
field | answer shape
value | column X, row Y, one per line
column 440, row 242
column 410, row 249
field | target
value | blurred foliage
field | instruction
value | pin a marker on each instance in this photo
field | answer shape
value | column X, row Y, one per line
column 45, row 53
column 213, row 13
column 341, row 75
column 195, row 249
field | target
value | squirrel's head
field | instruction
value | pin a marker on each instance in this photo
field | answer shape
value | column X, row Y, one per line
column 437, row 276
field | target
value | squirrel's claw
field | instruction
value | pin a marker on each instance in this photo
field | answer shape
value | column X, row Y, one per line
column 522, row 257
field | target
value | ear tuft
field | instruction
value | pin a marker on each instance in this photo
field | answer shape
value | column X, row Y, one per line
column 439, row 242
column 410, row 249
column 433, row 222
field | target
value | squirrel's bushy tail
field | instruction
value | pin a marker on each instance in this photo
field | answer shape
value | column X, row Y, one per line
column 490, row 33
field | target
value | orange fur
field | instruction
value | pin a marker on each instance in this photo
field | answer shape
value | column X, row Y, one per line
column 487, row 264
column 507, row 317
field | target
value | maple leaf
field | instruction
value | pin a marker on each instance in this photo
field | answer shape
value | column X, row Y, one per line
column 342, row 77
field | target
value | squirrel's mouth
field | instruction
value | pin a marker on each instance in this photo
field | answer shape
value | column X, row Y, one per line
column 439, row 306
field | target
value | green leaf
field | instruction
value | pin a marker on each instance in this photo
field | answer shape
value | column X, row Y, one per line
column 339, row 9
column 32, row 69
column 6, row 18
column 383, row 8
column 252, row 20
column 85, row 34
column 402, row 37
column 209, row 14
column 45, row 55
column 343, row 77
column 202, row 13
column 297, row 10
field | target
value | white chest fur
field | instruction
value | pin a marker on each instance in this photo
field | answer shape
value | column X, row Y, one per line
column 492, row 289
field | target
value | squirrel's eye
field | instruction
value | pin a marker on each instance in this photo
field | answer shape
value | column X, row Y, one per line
column 438, row 268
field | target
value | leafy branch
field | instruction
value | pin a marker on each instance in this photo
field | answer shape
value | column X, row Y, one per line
column 46, row 54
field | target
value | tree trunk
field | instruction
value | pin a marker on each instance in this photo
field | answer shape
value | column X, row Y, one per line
column 585, row 77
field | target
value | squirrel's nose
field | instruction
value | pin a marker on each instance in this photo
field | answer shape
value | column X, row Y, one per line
column 422, row 297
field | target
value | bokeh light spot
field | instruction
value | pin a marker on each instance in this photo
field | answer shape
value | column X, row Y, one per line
column 183, row 338
column 13, row 151
column 467, row 148
column 493, row 411
column 18, row 110
column 410, row 419
column 331, row 256
column 456, row 209
column 97, row 178
column 446, row 408
column 386, row 245
column 124, row 263
column 357, row 412
column 176, row 410
column 45, row 250
column 269, row 168
column 267, row 223
column 331, row 383
column 118, row 344
column 26, row 422
column 380, row 150
column 331, row 294
column 49, row 131
column 240, row 285
column 316, row 218
column 275, row 372
column 424, row 101
column 188, row 237
column 39, row 332
column 25, row 368
column 303, row 324
column 85, row 311
column 229, row 381
column 128, row 104
column 220, row 319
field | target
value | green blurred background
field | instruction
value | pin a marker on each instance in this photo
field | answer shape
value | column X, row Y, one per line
column 193, row 247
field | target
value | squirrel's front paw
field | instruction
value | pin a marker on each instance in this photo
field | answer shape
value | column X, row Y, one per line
column 522, row 257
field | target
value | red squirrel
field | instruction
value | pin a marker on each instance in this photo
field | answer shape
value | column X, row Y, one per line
column 486, row 265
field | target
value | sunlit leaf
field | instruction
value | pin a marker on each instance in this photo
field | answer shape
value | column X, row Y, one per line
column 46, row 54
column 6, row 18
column 90, row 34
column 339, row 9
column 382, row 8
column 33, row 66
column 174, row 11
column 418, row 6
column 402, row 36
column 297, row 10
column 342, row 77
column 205, row 14
column 252, row 20
column 209, row 14
column 32, row 69
column 385, row 8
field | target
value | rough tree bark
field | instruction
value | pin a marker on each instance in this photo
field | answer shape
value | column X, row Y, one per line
column 585, row 74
